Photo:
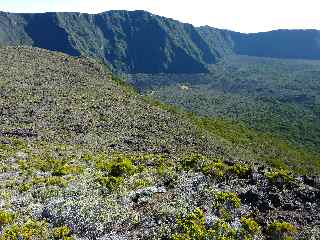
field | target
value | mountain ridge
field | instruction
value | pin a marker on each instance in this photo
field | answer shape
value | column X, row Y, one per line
column 122, row 43
column 125, row 39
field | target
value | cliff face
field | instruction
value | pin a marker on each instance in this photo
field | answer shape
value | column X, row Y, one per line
column 130, row 41
column 140, row 42
column 289, row 44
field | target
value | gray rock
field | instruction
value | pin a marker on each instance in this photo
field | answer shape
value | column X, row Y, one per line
column 21, row 155
column 144, row 195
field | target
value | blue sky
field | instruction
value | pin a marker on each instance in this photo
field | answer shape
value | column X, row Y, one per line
column 239, row 15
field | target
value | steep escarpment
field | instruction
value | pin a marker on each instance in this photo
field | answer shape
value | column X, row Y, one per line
column 12, row 30
column 291, row 44
column 130, row 41
column 286, row 44
column 141, row 42
column 55, row 38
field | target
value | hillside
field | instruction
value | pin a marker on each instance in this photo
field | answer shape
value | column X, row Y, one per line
column 272, row 96
column 58, row 98
column 85, row 157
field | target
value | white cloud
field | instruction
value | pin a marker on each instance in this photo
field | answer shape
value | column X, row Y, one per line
column 240, row 15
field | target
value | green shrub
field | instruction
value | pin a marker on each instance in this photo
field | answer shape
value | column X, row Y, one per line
column 226, row 199
column 215, row 169
column 279, row 176
column 221, row 230
column 249, row 228
column 48, row 181
column 241, row 170
column 47, row 164
column 11, row 233
column 140, row 183
column 190, row 162
column 66, row 169
column 29, row 231
column 5, row 217
column 120, row 166
column 34, row 230
column 159, row 159
column 87, row 157
column 22, row 165
column 62, row 232
column 224, row 202
column 168, row 176
column 192, row 226
column 57, row 167
column 57, row 181
column 24, row 187
column 112, row 183
column 281, row 230
column 19, row 144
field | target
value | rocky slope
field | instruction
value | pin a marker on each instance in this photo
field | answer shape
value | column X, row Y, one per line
column 56, row 97
column 84, row 157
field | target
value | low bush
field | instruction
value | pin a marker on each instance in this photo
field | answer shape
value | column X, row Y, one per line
column 215, row 169
column 279, row 176
column 5, row 217
column 226, row 199
column 191, row 227
column 281, row 230
column 110, row 182
column 62, row 232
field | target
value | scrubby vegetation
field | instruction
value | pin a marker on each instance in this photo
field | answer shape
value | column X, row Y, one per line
column 62, row 232
column 281, row 230
column 83, row 157
column 6, row 218
column 193, row 227
column 250, row 227
column 266, row 147
column 28, row 231
column 106, row 176
column 226, row 199
column 280, row 176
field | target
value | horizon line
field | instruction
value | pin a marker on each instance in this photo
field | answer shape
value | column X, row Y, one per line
column 141, row 10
